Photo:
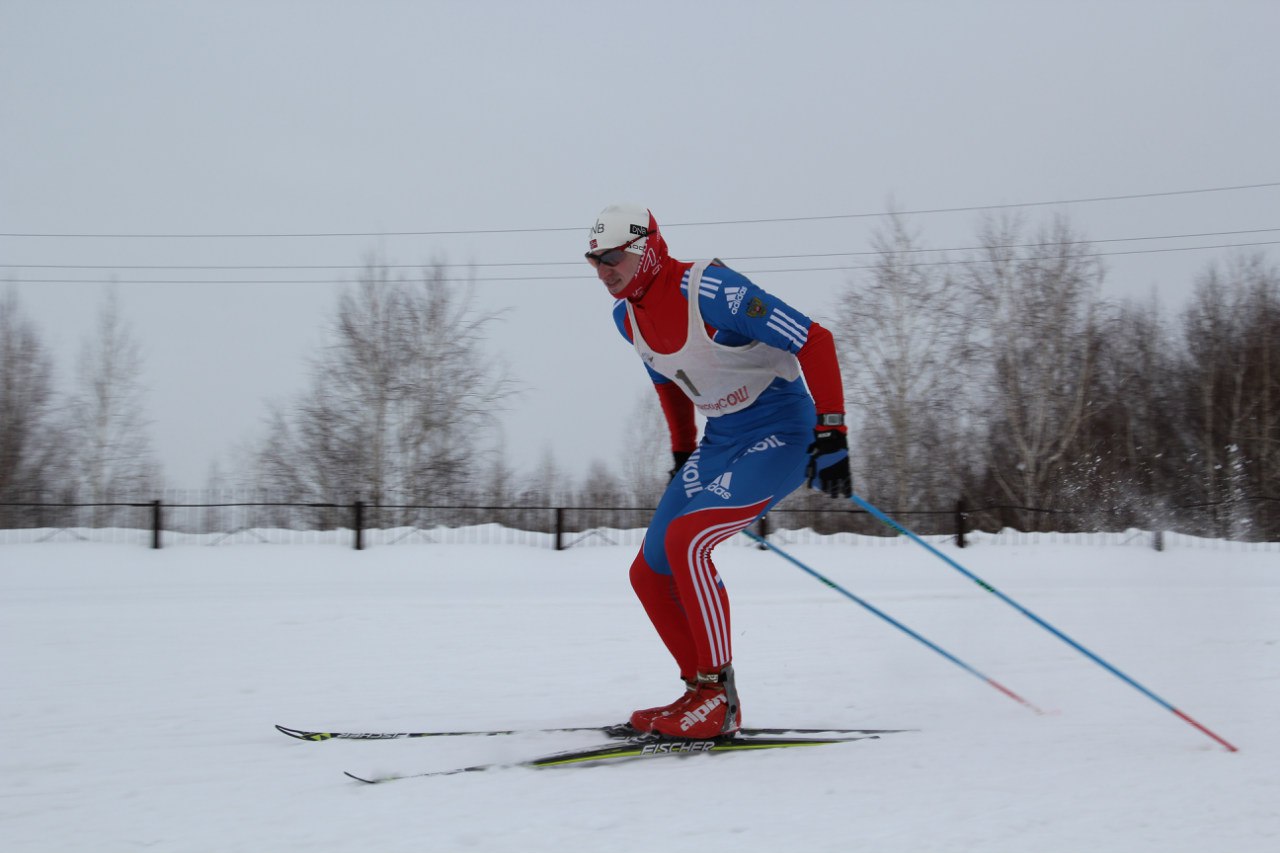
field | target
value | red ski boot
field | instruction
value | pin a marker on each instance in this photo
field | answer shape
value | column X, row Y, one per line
column 710, row 710
column 642, row 720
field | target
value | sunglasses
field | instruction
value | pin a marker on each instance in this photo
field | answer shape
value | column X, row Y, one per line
column 613, row 257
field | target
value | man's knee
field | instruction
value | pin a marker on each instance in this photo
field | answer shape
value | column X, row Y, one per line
column 698, row 532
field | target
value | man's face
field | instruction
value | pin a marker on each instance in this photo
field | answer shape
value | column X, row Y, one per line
column 616, row 278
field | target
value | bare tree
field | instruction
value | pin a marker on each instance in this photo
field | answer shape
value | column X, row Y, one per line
column 647, row 462
column 1125, row 450
column 32, row 446
column 1037, row 307
column 107, row 422
column 601, row 493
column 544, row 487
column 1228, row 376
column 901, row 339
column 400, row 401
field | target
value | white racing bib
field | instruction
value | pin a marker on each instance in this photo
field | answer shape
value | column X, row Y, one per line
column 718, row 379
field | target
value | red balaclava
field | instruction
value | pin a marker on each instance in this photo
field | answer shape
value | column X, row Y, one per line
column 655, row 255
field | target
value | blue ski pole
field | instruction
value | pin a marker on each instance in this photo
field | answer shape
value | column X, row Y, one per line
column 894, row 622
column 881, row 516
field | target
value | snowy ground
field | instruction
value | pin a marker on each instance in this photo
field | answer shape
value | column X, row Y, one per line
column 140, row 689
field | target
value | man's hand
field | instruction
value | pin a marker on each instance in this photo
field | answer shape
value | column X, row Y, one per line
column 828, row 469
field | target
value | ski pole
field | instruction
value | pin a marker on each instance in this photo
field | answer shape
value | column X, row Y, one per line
column 894, row 622
column 881, row 516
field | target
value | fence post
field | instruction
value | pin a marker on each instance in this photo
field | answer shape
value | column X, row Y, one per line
column 1157, row 540
column 559, row 528
column 155, row 524
column 358, row 524
column 960, row 523
column 764, row 532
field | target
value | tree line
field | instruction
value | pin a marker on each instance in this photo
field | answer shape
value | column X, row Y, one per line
column 1000, row 378
column 1006, row 380
column 88, row 443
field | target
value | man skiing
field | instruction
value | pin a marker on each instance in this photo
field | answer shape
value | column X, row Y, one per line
column 715, row 343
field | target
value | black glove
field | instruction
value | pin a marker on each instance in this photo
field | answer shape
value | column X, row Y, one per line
column 828, row 469
column 680, row 457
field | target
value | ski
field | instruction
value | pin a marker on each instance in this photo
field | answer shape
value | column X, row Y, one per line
column 301, row 734
column 616, row 731
column 639, row 747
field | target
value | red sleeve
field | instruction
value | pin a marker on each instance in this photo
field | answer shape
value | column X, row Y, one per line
column 679, row 411
column 822, row 371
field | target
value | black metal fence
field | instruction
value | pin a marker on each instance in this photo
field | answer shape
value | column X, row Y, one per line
column 217, row 517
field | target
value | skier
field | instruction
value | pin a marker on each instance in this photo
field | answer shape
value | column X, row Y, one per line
column 715, row 343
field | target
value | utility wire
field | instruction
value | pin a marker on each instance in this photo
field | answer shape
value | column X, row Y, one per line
column 962, row 262
column 816, row 218
column 246, row 267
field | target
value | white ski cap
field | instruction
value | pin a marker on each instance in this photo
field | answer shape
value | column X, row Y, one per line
column 618, row 224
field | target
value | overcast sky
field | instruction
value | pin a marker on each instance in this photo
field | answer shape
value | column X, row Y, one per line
column 525, row 119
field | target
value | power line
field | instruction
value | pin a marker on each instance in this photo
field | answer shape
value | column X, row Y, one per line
column 341, row 267
column 971, row 261
column 813, row 218
column 961, row 262
column 975, row 208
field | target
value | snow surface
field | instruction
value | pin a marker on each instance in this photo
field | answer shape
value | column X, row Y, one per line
column 140, row 688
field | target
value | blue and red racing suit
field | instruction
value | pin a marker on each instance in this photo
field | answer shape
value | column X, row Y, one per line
column 742, row 358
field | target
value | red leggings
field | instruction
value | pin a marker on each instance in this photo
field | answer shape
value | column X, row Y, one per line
column 689, row 607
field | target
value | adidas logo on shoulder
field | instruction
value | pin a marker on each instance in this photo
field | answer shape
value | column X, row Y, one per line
column 734, row 295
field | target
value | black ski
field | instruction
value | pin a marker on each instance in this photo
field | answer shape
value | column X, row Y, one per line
column 617, row 731
column 639, row 747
